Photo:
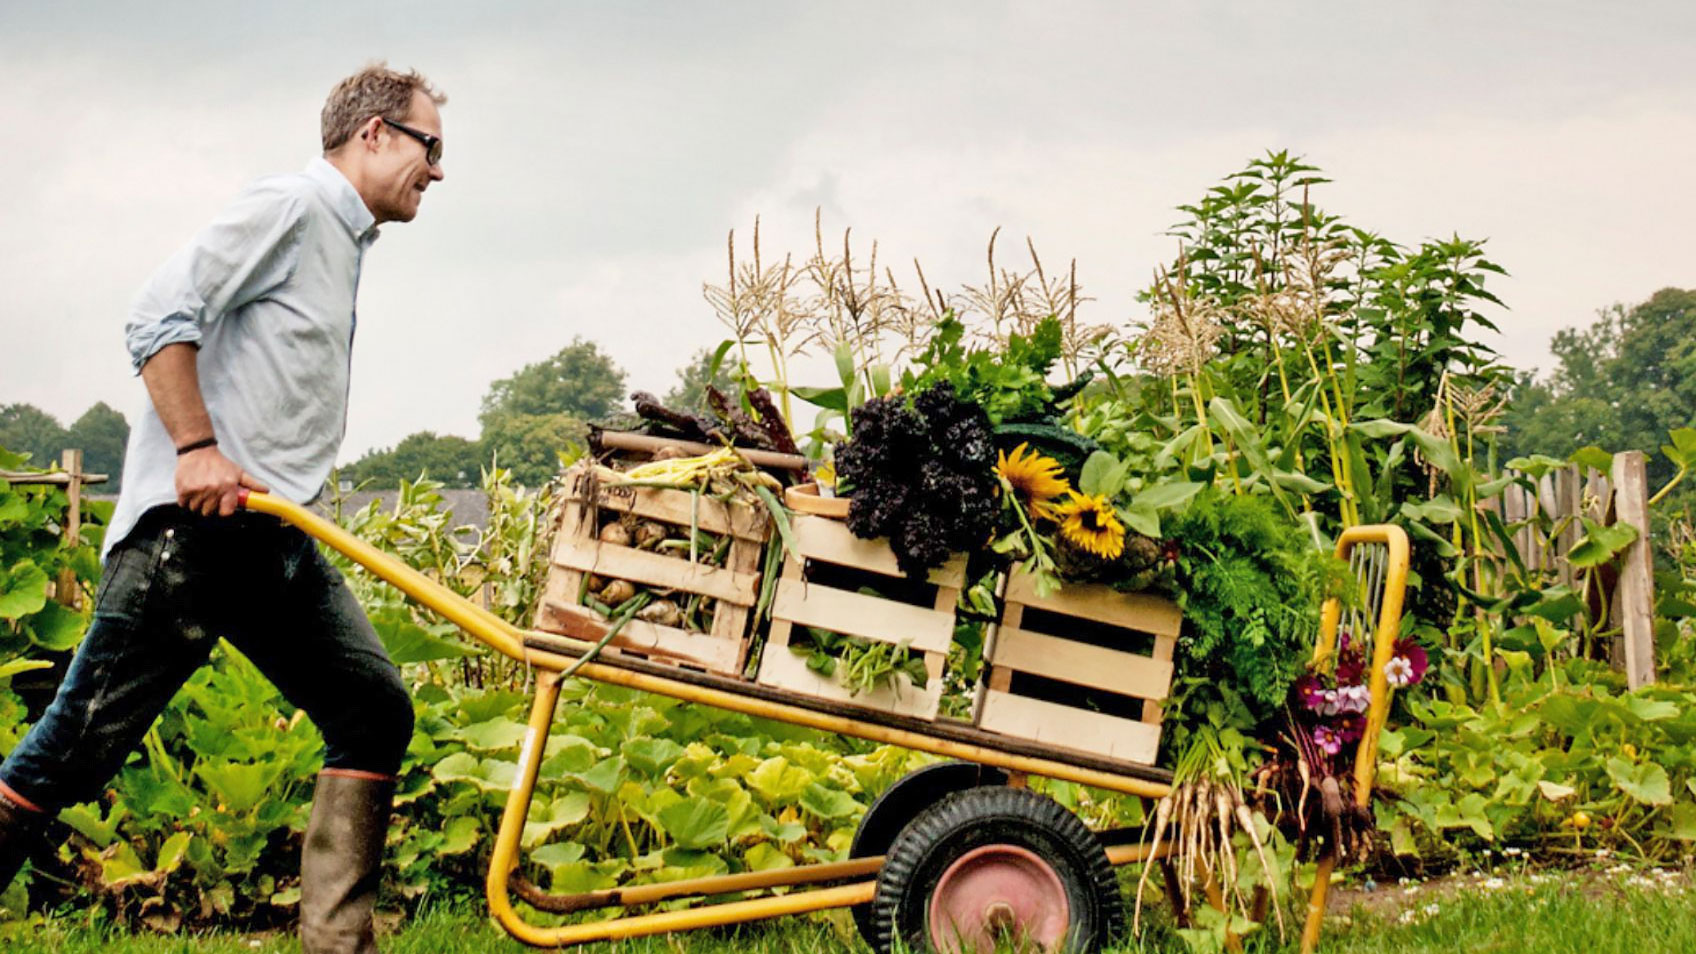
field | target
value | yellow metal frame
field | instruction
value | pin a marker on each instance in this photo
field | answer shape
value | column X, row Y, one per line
column 1385, row 633
column 512, row 641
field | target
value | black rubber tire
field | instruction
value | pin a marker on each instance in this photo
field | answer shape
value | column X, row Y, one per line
column 899, row 804
column 986, row 816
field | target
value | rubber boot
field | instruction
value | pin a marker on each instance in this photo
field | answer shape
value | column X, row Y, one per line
column 20, row 836
column 342, row 862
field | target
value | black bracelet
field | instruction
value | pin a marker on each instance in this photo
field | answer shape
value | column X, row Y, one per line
column 197, row 445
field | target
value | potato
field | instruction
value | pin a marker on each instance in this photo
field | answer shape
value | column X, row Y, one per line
column 661, row 613
column 649, row 534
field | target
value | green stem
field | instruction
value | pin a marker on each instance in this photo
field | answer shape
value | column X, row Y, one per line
column 1682, row 470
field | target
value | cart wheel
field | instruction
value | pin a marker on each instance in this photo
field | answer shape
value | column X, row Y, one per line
column 900, row 804
column 991, row 866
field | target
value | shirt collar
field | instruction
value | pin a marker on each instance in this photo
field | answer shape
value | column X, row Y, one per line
column 344, row 198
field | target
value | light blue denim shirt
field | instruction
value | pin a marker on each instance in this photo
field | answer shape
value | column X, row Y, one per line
column 267, row 293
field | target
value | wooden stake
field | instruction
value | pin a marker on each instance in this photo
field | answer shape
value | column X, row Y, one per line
column 1636, row 591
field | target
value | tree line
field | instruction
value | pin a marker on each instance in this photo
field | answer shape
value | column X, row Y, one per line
column 100, row 433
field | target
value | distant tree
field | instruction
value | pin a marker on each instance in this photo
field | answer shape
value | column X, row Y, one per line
column 690, row 393
column 578, row 381
column 455, row 461
column 25, row 428
column 533, row 446
column 101, row 434
column 1621, row 384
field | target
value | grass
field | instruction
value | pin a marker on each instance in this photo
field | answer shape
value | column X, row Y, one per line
column 1597, row 912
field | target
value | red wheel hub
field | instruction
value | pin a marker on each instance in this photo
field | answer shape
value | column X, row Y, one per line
column 998, row 894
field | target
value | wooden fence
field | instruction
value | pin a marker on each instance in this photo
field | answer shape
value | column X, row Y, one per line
column 1621, row 496
column 70, row 477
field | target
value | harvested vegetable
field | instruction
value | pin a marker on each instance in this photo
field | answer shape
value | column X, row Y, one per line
column 922, row 475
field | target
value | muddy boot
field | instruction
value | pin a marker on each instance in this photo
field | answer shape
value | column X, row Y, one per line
column 20, row 837
column 342, row 863
column 20, row 832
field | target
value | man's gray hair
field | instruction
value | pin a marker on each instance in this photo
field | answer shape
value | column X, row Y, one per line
column 373, row 91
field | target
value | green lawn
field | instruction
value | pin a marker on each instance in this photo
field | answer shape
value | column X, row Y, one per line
column 1595, row 912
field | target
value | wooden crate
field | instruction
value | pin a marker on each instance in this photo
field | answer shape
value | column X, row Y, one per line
column 800, row 602
column 577, row 550
column 1041, row 647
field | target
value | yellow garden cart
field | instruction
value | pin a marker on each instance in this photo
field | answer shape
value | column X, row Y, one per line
column 956, row 852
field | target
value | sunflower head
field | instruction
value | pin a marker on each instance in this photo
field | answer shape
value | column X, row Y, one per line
column 1089, row 523
column 1034, row 478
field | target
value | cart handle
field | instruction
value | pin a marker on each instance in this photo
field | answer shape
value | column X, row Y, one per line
column 474, row 619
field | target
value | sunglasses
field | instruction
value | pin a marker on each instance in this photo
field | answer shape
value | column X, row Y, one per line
column 432, row 144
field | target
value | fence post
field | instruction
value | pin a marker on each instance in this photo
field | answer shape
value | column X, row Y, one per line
column 1636, row 591
column 66, row 589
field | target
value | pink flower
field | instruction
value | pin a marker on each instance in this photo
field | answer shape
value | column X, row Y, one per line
column 1399, row 671
column 1311, row 692
column 1409, row 664
column 1328, row 740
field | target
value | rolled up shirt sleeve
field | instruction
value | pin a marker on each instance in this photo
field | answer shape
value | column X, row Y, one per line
column 249, row 249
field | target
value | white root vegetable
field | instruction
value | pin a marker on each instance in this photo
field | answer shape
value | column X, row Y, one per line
column 1223, row 816
column 1162, row 815
column 615, row 534
column 1245, row 820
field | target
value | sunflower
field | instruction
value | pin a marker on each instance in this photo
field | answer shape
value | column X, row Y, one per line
column 1090, row 524
column 1035, row 478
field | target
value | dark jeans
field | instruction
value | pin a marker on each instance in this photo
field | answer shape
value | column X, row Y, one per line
column 170, row 590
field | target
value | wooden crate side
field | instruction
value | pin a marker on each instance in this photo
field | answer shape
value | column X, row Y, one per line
column 653, row 569
column 736, row 622
column 782, row 668
column 821, row 538
column 651, row 639
column 677, row 507
column 1066, row 727
column 1144, row 612
column 562, row 583
column 856, row 614
column 1128, row 674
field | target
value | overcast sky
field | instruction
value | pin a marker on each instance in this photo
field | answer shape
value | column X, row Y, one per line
column 598, row 153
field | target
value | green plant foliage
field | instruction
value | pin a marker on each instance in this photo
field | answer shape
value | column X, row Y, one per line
column 1568, row 763
column 36, row 561
column 1010, row 384
column 1250, row 584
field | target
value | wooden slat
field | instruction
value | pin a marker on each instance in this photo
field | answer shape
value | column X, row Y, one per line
column 821, row 538
column 729, row 620
column 856, row 614
column 653, row 569
column 782, row 668
column 1143, row 612
column 1129, row 674
column 673, row 507
column 55, row 478
column 1066, row 727
column 718, row 655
